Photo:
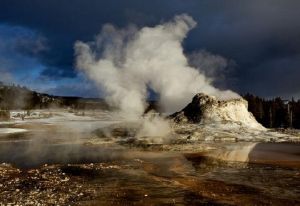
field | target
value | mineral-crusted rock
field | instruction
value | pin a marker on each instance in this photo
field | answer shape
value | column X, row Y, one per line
column 209, row 110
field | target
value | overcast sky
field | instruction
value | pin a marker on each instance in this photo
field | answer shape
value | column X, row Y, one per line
column 260, row 37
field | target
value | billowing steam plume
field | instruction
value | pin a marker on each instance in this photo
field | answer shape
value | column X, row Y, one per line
column 125, row 63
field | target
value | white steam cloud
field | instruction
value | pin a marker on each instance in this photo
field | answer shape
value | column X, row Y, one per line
column 125, row 63
column 215, row 67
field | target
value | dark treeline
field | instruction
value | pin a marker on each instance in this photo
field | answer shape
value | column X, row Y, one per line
column 17, row 97
column 275, row 113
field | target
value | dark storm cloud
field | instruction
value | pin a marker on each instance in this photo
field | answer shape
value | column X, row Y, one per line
column 278, row 76
column 19, row 51
column 260, row 36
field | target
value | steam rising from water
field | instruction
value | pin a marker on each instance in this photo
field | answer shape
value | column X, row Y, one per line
column 126, row 62
column 154, row 126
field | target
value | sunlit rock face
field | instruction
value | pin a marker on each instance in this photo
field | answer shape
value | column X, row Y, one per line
column 209, row 110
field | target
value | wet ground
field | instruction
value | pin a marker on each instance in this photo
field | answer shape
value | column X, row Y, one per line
column 150, row 179
column 48, row 165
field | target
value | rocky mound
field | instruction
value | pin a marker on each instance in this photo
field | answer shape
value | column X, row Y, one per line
column 208, row 110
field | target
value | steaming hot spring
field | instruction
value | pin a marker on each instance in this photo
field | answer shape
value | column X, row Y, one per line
column 204, row 119
column 207, row 126
column 122, row 155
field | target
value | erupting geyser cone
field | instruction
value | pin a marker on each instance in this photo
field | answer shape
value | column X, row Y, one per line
column 209, row 110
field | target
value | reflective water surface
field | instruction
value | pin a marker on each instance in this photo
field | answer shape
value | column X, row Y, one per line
column 118, row 175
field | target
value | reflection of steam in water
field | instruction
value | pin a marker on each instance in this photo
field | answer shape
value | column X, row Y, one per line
column 11, row 130
column 276, row 154
column 236, row 152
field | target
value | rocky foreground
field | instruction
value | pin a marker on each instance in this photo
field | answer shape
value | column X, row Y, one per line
column 46, row 185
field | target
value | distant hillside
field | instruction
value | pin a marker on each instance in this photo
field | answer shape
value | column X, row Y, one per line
column 18, row 97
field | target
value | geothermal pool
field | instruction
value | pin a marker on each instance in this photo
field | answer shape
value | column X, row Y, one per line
column 51, row 163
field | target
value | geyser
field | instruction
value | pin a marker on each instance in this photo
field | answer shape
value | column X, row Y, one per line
column 208, row 110
column 125, row 63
